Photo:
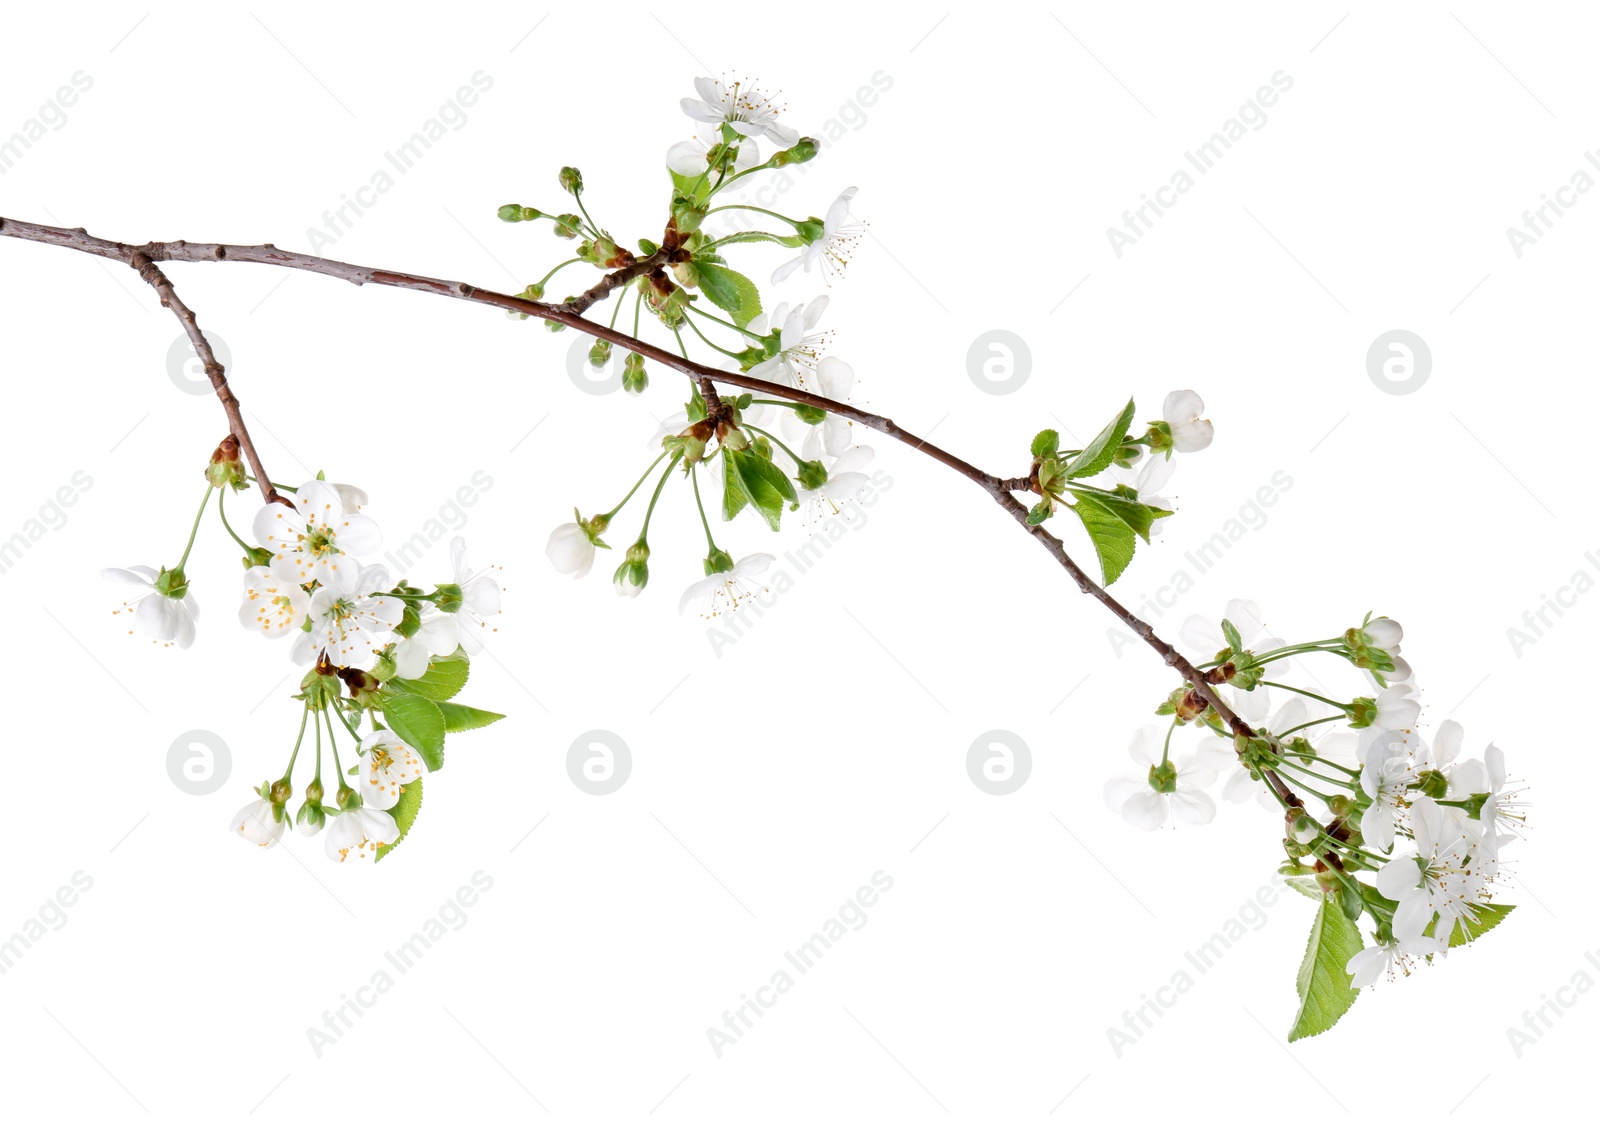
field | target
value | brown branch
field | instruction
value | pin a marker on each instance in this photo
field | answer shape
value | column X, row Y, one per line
column 620, row 277
column 998, row 488
column 159, row 282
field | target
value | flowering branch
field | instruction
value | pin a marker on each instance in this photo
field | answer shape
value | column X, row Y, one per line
column 393, row 647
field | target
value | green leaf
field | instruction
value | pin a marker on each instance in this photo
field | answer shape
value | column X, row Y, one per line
column 734, row 498
column 1113, row 539
column 1305, row 886
column 405, row 812
column 1134, row 513
column 417, row 721
column 696, row 188
column 1103, row 450
column 444, row 678
column 1323, row 984
column 1231, row 633
column 729, row 290
column 461, row 717
column 1489, row 916
column 763, row 484
column 1040, row 512
column 1045, row 442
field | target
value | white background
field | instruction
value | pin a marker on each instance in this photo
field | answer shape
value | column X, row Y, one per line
column 830, row 741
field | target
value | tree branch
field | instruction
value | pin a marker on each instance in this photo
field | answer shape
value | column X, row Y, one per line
column 999, row 489
column 159, row 282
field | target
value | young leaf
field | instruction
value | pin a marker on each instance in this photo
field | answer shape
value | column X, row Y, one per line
column 766, row 486
column 1489, row 915
column 1103, row 450
column 1113, row 539
column 1305, row 886
column 1045, row 442
column 1134, row 513
column 461, row 717
column 729, row 290
column 405, row 812
column 418, row 721
column 444, row 678
column 696, row 188
column 1231, row 633
column 1323, row 984
column 734, row 497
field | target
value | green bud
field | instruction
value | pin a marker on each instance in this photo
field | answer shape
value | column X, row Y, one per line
column 448, row 598
column 803, row 150
column 571, row 180
column 533, row 291
column 1041, row 511
column 810, row 230
column 346, row 797
column 279, row 795
column 809, row 415
column 718, row 561
column 173, row 584
column 1127, row 456
column 812, row 475
column 1433, row 784
column 599, row 353
column 1363, row 711
column 568, row 226
column 634, row 378
column 634, row 573
column 1164, row 778
column 516, row 213
column 320, row 689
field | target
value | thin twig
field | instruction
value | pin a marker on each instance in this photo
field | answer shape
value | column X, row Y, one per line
column 159, row 282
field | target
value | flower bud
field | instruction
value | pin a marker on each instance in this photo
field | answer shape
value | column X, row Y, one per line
column 571, row 180
column 1302, row 827
column 225, row 467
column 516, row 213
column 568, row 226
column 803, row 150
column 599, row 353
column 634, row 379
column 1164, row 778
column 630, row 578
column 533, row 291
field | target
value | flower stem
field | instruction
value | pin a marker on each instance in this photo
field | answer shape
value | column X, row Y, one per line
column 690, row 322
column 636, row 485
column 288, row 771
column 195, row 528
column 694, row 477
column 1345, row 708
column 747, row 207
column 222, row 512
column 797, row 459
column 544, row 281
column 656, row 496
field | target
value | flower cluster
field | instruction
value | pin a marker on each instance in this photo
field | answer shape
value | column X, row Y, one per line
column 371, row 647
column 737, row 452
column 1379, row 824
